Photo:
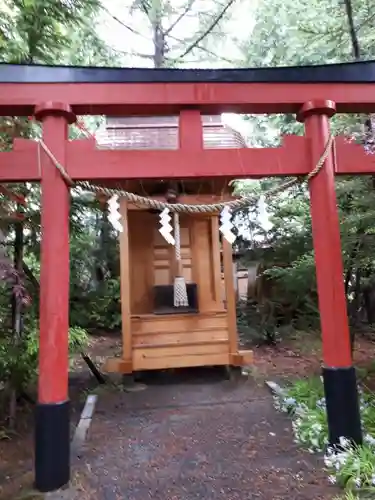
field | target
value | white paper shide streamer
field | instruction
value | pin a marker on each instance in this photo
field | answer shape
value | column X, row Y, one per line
column 226, row 225
column 263, row 214
column 165, row 227
column 114, row 216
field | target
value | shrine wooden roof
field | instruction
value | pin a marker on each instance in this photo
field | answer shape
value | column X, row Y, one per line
column 161, row 132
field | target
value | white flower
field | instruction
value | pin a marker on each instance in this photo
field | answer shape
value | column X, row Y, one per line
column 290, row 402
column 342, row 458
column 369, row 440
column 317, row 427
column 344, row 442
column 357, row 482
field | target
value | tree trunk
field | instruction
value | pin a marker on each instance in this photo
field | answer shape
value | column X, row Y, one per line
column 16, row 311
column 352, row 30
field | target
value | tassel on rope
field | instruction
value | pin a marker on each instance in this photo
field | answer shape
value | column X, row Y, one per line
column 180, row 297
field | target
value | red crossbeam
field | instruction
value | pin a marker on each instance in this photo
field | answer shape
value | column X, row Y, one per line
column 21, row 164
column 85, row 161
column 351, row 158
column 125, row 99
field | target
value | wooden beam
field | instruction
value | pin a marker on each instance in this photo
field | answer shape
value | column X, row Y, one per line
column 21, row 164
column 230, row 296
column 124, row 99
column 351, row 158
column 216, row 264
column 87, row 162
column 327, row 245
column 127, row 348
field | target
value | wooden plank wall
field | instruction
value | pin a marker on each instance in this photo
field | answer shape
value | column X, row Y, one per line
column 152, row 259
column 164, row 254
column 179, row 341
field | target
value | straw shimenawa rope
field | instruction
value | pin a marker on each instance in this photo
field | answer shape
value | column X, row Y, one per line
column 181, row 207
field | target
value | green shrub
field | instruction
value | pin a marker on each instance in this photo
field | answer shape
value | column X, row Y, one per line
column 97, row 308
column 351, row 467
column 19, row 362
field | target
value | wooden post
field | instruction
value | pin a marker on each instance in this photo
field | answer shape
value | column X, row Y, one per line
column 338, row 372
column 215, row 241
column 52, row 430
column 127, row 354
column 230, row 296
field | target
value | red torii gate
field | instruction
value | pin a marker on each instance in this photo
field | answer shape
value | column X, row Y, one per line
column 55, row 95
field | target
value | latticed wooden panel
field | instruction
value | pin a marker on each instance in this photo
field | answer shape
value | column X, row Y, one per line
column 162, row 133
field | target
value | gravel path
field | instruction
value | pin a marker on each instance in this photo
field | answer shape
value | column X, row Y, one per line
column 202, row 438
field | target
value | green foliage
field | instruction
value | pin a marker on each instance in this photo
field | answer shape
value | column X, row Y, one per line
column 98, row 308
column 308, row 391
column 41, row 29
column 354, row 468
column 19, row 360
column 256, row 323
column 351, row 467
column 52, row 32
column 311, row 32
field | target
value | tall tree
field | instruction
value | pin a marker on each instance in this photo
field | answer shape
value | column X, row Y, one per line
column 314, row 32
column 176, row 32
column 35, row 31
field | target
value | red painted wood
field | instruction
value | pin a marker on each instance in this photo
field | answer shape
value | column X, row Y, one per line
column 21, row 164
column 54, row 108
column 87, row 162
column 169, row 98
column 289, row 159
column 327, row 245
column 351, row 158
column 190, row 130
column 54, row 275
column 315, row 107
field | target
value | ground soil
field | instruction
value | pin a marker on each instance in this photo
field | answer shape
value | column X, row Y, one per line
column 193, row 435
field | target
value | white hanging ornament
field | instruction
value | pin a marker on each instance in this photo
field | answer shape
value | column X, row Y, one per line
column 263, row 214
column 166, row 228
column 226, row 225
column 114, row 214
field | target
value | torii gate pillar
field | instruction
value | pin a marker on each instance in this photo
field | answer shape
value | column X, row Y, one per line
column 339, row 375
column 52, row 429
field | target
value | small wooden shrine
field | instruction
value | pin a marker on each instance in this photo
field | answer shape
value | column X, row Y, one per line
column 156, row 334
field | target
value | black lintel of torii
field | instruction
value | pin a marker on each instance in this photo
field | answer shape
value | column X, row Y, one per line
column 354, row 72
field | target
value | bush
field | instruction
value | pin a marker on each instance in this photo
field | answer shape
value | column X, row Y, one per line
column 19, row 363
column 351, row 467
column 98, row 309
